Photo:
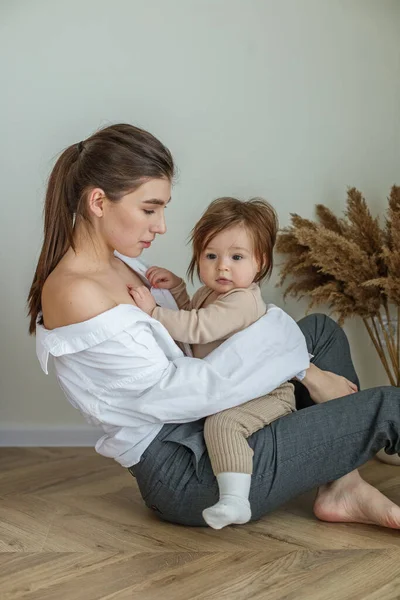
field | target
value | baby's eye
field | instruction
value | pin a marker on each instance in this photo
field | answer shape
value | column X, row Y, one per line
column 211, row 256
column 148, row 212
column 237, row 257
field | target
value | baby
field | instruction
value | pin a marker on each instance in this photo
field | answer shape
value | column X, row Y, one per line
column 232, row 253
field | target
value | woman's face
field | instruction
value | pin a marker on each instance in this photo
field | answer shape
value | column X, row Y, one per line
column 131, row 224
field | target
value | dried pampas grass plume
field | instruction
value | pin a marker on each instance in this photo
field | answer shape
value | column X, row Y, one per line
column 351, row 264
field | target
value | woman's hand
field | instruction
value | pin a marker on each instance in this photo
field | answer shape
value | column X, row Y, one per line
column 142, row 297
column 162, row 278
column 324, row 385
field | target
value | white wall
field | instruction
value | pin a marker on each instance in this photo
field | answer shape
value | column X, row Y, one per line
column 290, row 99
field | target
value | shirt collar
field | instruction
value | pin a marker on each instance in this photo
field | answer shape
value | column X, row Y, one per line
column 136, row 265
column 80, row 336
column 162, row 297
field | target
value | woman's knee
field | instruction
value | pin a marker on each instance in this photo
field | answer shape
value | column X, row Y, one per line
column 317, row 322
column 319, row 327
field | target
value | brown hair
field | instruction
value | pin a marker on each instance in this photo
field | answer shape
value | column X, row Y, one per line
column 117, row 159
column 256, row 215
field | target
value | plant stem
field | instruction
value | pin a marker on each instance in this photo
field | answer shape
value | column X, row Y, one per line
column 398, row 344
column 391, row 338
column 389, row 346
column 378, row 347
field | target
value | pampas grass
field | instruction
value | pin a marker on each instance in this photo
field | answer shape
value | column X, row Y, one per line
column 352, row 264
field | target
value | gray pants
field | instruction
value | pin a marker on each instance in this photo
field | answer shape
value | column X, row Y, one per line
column 294, row 454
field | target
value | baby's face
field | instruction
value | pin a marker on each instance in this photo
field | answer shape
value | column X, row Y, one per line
column 228, row 262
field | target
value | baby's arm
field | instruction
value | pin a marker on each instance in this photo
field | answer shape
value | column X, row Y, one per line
column 164, row 279
column 181, row 296
column 226, row 316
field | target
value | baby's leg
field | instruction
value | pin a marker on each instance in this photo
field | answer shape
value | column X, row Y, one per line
column 231, row 457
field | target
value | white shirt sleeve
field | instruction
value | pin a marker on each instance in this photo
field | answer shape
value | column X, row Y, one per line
column 139, row 382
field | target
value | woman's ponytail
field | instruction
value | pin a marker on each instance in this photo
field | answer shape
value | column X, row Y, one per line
column 58, row 226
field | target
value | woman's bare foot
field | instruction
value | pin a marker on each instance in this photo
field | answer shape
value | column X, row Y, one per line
column 324, row 385
column 350, row 499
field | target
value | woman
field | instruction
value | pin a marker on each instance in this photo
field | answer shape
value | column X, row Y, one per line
column 122, row 370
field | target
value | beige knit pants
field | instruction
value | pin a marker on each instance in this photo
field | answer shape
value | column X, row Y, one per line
column 226, row 432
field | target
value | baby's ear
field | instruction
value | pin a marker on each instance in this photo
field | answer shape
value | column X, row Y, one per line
column 263, row 263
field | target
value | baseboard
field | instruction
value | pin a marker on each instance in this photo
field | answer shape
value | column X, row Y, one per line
column 51, row 435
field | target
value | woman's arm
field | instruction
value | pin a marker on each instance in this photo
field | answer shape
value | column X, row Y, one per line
column 134, row 379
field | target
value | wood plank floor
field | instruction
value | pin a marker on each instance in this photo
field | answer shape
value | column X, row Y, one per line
column 73, row 527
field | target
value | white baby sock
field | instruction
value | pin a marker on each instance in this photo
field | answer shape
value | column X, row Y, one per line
column 233, row 506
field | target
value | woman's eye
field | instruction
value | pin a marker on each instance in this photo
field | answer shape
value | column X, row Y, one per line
column 237, row 257
column 211, row 256
column 148, row 212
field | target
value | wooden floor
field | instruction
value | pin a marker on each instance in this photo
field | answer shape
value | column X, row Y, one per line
column 72, row 526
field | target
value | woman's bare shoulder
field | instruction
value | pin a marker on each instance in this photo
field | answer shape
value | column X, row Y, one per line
column 68, row 298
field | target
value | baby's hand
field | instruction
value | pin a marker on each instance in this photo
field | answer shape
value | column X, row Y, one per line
column 142, row 297
column 162, row 278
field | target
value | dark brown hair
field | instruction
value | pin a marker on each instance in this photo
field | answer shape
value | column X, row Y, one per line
column 256, row 215
column 117, row 159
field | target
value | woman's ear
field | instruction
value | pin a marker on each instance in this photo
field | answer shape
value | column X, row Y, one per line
column 96, row 202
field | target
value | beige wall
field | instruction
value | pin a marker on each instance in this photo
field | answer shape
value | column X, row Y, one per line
column 291, row 99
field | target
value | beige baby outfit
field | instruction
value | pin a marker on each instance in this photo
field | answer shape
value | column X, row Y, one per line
column 205, row 322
